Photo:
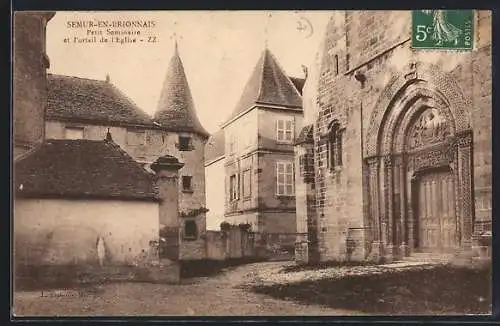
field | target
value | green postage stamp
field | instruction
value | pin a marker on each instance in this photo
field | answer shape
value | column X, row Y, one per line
column 443, row 29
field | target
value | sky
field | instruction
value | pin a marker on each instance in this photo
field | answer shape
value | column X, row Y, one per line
column 219, row 50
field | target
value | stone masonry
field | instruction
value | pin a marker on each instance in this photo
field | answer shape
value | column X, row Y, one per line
column 366, row 60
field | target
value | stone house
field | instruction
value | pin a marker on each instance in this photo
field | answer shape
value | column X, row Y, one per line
column 395, row 160
column 81, row 108
column 253, row 154
column 73, row 196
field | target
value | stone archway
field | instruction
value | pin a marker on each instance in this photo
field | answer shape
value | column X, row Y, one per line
column 419, row 141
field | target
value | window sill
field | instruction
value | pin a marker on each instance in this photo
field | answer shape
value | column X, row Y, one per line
column 187, row 191
column 285, row 196
column 190, row 238
column 283, row 142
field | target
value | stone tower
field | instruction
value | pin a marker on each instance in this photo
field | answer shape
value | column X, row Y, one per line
column 30, row 79
column 177, row 115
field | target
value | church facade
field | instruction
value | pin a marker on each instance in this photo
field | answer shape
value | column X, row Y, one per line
column 395, row 156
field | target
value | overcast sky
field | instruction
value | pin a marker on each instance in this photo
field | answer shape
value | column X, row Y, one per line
column 219, row 51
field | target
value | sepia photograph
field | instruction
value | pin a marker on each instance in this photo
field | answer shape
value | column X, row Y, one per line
column 251, row 163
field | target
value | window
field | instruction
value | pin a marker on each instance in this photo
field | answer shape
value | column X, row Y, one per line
column 247, row 188
column 284, row 179
column 136, row 137
column 233, row 187
column 184, row 143
column 190, row 230
column 284, row 130
column 73, row 133
column 187, row 183
column 334, row 145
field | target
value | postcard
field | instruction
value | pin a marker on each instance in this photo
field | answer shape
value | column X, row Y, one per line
column 252, row 163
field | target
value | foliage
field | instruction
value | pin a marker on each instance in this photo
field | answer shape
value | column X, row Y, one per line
column 194, row 212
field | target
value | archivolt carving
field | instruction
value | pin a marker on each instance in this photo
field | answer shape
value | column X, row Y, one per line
column 430, row 128
column 433, row 76
column 417, row 98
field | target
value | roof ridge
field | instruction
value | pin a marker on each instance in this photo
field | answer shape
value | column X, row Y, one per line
column 77, row 77
column 276, row 61
column 259, row 92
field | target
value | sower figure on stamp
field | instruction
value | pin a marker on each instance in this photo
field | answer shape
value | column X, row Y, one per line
column 444, row 31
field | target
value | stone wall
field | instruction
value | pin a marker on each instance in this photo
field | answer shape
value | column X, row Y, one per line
column 61, row 232
column 158, row 143
column 29, row 79
column 377, row 44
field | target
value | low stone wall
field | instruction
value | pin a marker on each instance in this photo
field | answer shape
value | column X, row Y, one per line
column 34, row 277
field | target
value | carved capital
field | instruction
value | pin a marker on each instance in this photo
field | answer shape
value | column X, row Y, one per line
column 372, row 162
column 388, row 160
column 464, row 139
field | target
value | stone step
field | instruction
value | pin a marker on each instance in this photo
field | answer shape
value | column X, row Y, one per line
column 429, row 257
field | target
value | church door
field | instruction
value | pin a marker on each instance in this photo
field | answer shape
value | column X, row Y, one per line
column 436, row 221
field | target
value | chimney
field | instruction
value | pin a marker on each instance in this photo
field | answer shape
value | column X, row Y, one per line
column 108, row 136
column 108, row 79
column 167, row 181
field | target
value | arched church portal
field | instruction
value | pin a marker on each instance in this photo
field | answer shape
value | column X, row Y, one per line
column 420, row 173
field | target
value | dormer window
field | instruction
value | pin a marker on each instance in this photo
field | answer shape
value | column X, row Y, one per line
column 185, row 143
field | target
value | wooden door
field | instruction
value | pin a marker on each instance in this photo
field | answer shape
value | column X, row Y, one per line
column 436, row 212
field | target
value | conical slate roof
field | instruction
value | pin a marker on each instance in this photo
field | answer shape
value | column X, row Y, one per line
column 268, row 84
column 175, row 110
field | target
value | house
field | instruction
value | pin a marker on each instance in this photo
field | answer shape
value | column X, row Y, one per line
column 81, row 108
column 83, row 202
column 74, row 196
column 397, row 159
column 253, row 154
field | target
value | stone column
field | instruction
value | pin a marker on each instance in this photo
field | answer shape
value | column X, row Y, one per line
column 388, row 214
column 403, row 219
column 374, row 211
column 465, row 185
column 167, row 175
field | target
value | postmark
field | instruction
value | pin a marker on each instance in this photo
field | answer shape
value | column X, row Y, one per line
column 443, row 29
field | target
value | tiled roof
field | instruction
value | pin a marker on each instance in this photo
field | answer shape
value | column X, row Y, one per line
column 91, row 100
column 268, row 84
column 298, row 83
column 215, row 146
column 82, row 168
column 176, row 110
column 306, row 135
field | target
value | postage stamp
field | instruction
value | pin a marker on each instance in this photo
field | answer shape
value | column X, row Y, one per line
column 443, row 29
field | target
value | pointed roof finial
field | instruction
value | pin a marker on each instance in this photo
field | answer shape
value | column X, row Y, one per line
column 108, row 136
column 108, row 79
column 269, row 15
column 174, row 37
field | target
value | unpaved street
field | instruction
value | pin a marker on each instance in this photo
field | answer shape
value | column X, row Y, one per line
column 221, row 295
